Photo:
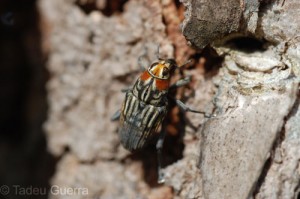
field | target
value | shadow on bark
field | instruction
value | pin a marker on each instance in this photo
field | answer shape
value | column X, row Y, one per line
column 23, row 151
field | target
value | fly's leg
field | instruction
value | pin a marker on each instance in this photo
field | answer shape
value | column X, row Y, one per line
column 125, row 90
column 181, row 82
column 185, row 108
column 159, row 147
column 116, row 115
column 182, row 106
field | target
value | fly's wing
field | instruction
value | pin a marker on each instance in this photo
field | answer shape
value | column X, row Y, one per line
column 138, row 123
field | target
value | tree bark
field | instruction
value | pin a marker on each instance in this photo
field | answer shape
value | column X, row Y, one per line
column 250, row 148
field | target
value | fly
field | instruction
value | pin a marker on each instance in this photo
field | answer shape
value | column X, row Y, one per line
column 145, row 107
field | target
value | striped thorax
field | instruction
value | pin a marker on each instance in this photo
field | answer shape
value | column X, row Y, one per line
column 145, row 106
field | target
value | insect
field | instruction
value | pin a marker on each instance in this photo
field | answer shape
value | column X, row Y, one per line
column 145, row 107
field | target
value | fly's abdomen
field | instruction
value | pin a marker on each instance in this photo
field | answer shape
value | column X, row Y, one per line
column 139, row 121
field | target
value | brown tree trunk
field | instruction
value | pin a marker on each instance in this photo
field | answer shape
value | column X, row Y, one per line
column 247, row 79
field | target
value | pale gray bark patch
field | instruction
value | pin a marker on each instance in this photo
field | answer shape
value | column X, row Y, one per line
column 282, row 179
column 237, row 143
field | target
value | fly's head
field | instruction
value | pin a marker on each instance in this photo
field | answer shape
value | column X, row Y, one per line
column 162, row 69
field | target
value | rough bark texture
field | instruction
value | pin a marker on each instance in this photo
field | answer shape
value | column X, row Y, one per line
column 92, row 57
column 249, row 149
column 207, row 21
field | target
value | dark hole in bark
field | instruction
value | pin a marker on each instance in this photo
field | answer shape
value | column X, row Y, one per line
column 246, row 44
column 212, row 61
column 178, row 4
column 108, row 9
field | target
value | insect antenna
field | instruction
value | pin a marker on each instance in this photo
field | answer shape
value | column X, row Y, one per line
column 157, row 54
column 182, row 66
